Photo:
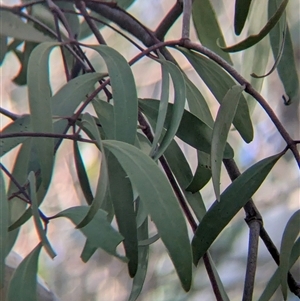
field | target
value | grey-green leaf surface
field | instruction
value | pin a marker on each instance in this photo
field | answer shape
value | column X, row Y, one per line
column 236, row 195
column 3, row 48
column 289, row 236
column 99, row 232
column 123, row 92
column 39, row 94
column 207, row 27
column 103, row 177
column 219, row 82
column 23, row 285
column 13, row 26
column 71, row 18
column 240, row 14
column 286, row 67
column 221, row 129
column 3, row 227
column 192, row 130
column 36, row 216
column 158, row 197
column 254, row 39
column 274, row 282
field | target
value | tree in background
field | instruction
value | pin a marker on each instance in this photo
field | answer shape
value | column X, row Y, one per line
column 145, row 178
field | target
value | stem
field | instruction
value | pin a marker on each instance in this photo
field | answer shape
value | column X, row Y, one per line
column 187, row 12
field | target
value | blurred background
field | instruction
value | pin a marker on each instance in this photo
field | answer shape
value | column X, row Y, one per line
column 105, row 278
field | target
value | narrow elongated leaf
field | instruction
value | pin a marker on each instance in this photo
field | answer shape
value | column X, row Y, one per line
column 254, row 39
column 103, row 177
column 39, row 94
column 13, row 26
column 240, row 14
column 122, row 199
column 207, row 27
column 3, row 48
column 219, row 82
column 3, row 227
column 72, row 18
column 221, row 129
column 23, row 285
column 157, row 195
column 232, row 200
column 177, row 108
column 123, row 92
column 99, row 232
column 36, row 216
column 286, row 67
column 88, row 251
column 274, row 282
column 289, row 236
column 192, row 130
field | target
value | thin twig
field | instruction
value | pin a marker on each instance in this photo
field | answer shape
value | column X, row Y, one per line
column 187, row 12
column 9, row 114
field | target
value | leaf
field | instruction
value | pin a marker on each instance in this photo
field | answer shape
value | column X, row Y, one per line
column 3, row 48
column 72, row 18
column 88, row 251
column 254, row 39
column 274, row 282
column 39, row 94
column 3, row 228
column 219, row 82
column 122, row 199
column 177, row 108
column 158, row 197
column 236, row 195
column 36, row 216
column 103, row 177
column 23, row 285
column 99, row 232
column 240, row 15
column 221, row 129
column 192, row 130
column 207, row 27
column 286, row 68
column 13, row 26
column 123, row 92
column 289, row 236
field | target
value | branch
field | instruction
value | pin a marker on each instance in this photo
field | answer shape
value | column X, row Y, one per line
column 187, row 12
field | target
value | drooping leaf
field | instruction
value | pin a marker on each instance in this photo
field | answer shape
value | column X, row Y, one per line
column 232, row 200
column 36, row 216
column 219, row 82
column 192, row 130
column 289, row 236
column 156, row 193
column 240, row 15
column 71, row 17
column 3, row 48
column 23, row 285
column 221, row 129
column 39, row 94
column 3, row 228
column 254, row 39
column 123, row 92
column 207, row 27
column 13, row 26
column 87, row 251
column 99, row 232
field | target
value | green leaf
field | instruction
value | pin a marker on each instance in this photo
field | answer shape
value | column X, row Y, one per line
column 3, row 48
column 219, row 82
column 236, row 195
column 122, row 199
column 240, row 15
column 23, row 285
column 289, row 236
column 254, row 39
column 192, row 130
column 36, row 216
column 123, row 92
column 72, row 18
column 286, row 68
column 177, row 108
column 39, row 94
column 207, row 27
column 13, row 26
column 221, row 129
column 103, row 177
column 88, row 251
column 274, row 282
column 3, row 228
column 158, row 197
column 99, row 232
